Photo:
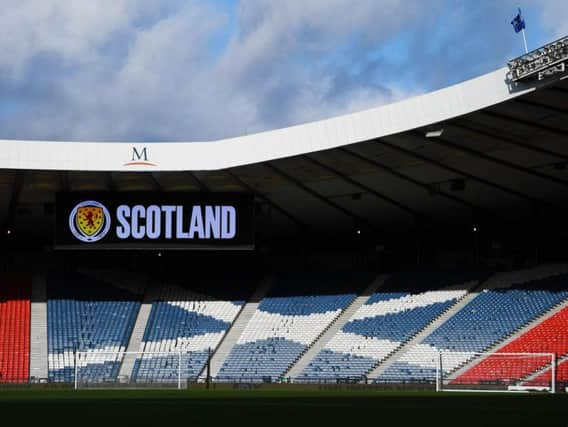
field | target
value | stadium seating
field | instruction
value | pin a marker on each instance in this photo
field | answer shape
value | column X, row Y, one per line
column 91, row 317
column 488, row 319
column 391, row 316
column 287, row 322
column 543, row 377
column 15, row 293
column 95, row 318
column 546, row 337
column 187, row 322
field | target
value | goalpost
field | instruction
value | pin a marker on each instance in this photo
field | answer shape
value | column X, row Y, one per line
column 496, row 372
column 123, row 369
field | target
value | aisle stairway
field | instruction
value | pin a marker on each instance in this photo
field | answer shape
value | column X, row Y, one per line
column 38, row 330
column 236, row 329
column 334, row 328
column 135, row 343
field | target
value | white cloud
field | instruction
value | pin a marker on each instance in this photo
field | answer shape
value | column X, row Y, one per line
column 72, row 30
column 142, row 69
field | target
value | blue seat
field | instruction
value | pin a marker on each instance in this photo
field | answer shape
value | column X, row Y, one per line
column 389, row 329
column 489, row 318
column 86, row 315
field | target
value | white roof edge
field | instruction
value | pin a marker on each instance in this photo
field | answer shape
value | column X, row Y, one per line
column 405, row 115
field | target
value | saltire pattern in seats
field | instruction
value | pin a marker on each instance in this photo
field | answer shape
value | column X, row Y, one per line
column 287, row 322
column 187, row 324
column 390, row 317
column 91, row 317
column 15, row 293
column 512, row 301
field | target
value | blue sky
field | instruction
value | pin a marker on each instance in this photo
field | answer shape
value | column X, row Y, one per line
column 206, row 69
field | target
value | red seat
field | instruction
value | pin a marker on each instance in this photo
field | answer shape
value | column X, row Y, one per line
column 15, row 296
column 561, row 375
column 549, row 336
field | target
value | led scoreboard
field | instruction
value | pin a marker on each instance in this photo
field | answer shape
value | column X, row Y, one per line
column 154, row 221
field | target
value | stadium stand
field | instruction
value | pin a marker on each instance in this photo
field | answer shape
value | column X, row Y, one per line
column 182, row 321
column 512, row 313
column 86, row 315
column 286, row 323
column 545, row 337
column 499, row 311
column 15, row 297
column 389, row 318
column 543, row 377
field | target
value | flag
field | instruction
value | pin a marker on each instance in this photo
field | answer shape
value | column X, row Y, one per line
column 518, row 22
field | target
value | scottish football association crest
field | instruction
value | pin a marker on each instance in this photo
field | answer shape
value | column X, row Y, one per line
column 89, row 221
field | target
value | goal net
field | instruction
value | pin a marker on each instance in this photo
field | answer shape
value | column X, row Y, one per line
column 121, row 369
column 497, row 372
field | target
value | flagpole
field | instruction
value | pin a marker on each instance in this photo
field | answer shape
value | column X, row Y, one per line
column 525, row 40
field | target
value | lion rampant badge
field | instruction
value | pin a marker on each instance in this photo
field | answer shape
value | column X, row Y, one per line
column 89, row 221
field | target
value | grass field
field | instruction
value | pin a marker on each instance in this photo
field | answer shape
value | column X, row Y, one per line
column 277, row 408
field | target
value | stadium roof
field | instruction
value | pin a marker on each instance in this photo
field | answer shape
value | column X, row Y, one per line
column 404, row 116
column 482, row 150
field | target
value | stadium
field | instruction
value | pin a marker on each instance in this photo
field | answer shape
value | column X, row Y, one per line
column 416, row 249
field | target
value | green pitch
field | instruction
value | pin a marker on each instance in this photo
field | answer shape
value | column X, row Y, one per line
column 290, row 408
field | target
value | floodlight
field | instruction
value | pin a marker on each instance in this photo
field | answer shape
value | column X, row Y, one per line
column 434, row 133
column 540, row 63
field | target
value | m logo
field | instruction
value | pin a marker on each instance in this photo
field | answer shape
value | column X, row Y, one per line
column 139, row 157
column 89, row 221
